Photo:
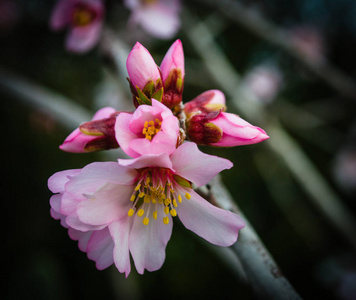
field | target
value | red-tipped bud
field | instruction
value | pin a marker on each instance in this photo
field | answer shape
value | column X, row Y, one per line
column 209, row 101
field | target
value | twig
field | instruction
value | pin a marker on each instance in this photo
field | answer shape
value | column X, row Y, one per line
column 254, row 22
column 324, row 198
column 265, row 277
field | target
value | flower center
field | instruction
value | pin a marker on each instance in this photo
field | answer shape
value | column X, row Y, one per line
column 156, row 190
column 151, row 128
column 82, row 15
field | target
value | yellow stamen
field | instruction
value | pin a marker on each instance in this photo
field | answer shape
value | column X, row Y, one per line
column 166, row 210
column 145, row 221
column 166, row 220
column 188, row 196
column 137, row 187
column 133, row 197
column 173, row 212
column 151, row 123
column 140, row 212
column 130, row 212
column 141, row 194
column 175, row 203
column 179, row 198
column 155, row 215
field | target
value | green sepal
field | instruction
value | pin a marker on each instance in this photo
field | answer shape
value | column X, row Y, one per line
column 142, row 98
column 149, row 88
column 182, row 181
column 158, row 95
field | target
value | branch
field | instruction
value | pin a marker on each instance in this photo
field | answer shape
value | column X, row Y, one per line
column 265, row 277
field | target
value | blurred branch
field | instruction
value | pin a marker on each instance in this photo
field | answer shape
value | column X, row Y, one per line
column 265, row 277
column 63, row 109
column 324, row 198
column 258, row 25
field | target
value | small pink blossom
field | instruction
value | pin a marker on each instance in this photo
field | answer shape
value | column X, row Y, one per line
column 114, row 209
column 207, row 124
column 149, row 130
column 148, row 81
column 159, row 18
column 84, row 19
column 79, row 142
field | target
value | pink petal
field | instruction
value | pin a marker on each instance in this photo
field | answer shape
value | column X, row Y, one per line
column 120, row 234
column 76, row 141
column 57, row 181
column 55, row 203
column 110, row 203
column 74, row 222
column 196, row 166
column 82, row 39
column 148, row 242
column 61, row 14
column 123, row 133
column 217, row 226
column 81, row 237
column 103, row 113
column 174, row 59
column 156, row 146
column 141, row 66
column 100, row 248
column 237, row 132
column 98, row 174
column 150, row 160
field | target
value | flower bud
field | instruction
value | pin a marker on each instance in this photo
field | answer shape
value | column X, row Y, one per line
column 222, row 129
column 144, row 76
column 209, row 101
column 172, row 71
column 95, row 135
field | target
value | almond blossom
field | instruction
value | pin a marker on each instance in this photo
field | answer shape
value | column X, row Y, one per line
column 84, row 19
column 95, row 135
column 151, row 129
column 159, row 18
column 148, row 81
column 208, row 124
column 114, row 209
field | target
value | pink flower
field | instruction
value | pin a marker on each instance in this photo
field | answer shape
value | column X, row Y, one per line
column 148, row 81
column 91, row 137
column 160, row 18
column 115, row 209
column 207, row 124
column 84, row 19
column 149, row 130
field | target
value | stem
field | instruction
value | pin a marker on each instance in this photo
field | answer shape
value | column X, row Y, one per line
column 265, row 277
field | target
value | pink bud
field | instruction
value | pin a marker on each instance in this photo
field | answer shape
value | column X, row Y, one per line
column 209, row 101
column 174, row 59
column 95, row 135
column 222, row 129
column 236, row 131
column 141, row 67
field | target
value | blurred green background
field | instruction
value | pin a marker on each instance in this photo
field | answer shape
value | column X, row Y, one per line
column 43, row 263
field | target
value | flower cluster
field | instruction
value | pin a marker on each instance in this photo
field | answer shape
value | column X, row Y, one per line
column 85, row 18
column 123, row 208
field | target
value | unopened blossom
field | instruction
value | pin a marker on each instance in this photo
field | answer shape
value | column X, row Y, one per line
column 115, row 209
column 84, row 19
column 159, row 18
column 148, row 81
column 151, row 129
column 208, row 124
column 95, row 135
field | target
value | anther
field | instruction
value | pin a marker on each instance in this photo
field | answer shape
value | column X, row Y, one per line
column 155, row 215
column 179, row 198
column 137, row 187
column 173, row 212
column 140, row 212
column 166, row 220
column 175, row 203
column 130, row 212
column 133, row 197
column 188, row 196
column 166, row 210
column 145, row 221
